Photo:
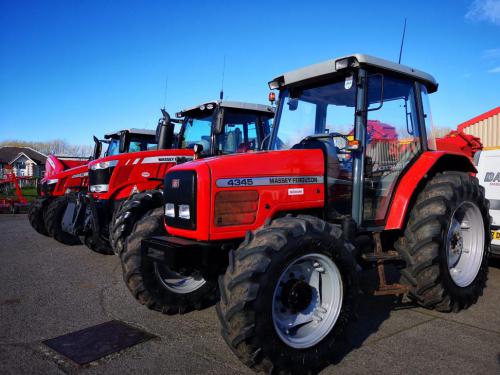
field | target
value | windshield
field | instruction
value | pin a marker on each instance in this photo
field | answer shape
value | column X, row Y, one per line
column 197, row 131
column 322, row 109
column 241, row 132
column 113, row 147
column 137, row 143
column 142, row 143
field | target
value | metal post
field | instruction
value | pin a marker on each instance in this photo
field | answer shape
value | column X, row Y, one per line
column 359, row 160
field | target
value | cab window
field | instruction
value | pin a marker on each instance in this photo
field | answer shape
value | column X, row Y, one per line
column 239, row 134
column 393, row 141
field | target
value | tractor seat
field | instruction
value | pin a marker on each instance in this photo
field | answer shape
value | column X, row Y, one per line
column 326, row 145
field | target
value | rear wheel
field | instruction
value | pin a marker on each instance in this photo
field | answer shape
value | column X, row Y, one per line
column 288, row 294
column 35, row 214
column 53, row 222
column 155, row 285
column 129, row 213
column 446, row 243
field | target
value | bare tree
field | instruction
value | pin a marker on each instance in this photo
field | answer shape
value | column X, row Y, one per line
column 53, row 146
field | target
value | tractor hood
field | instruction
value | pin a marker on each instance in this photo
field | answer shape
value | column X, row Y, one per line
column 274, row 181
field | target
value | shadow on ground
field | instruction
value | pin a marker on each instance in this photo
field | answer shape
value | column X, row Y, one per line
column 372, row 310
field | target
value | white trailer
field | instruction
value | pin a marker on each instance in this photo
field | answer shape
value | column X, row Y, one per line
column 488, row 165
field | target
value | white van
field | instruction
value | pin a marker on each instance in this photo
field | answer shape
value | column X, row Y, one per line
column 488, row 166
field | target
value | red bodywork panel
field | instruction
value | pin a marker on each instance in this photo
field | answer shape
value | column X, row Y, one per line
column 458, row 141
column 55, row 165
column 143, row 169
column 74, row 179
column 402, row 195
column 277, row 198
column 272, row 198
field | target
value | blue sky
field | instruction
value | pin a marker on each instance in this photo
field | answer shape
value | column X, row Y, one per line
column 70, row 69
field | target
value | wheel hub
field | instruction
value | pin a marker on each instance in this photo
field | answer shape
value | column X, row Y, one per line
column 465, row 243
column 456, row 247
column 296, row 295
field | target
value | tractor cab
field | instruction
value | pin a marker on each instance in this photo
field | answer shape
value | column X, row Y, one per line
column 371, row 120
column 129, row 140
column 224, row 127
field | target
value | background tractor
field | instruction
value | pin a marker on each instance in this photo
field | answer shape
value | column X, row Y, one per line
column 61, row 174
column 280, row 226
column 123, row 187
column 67, row 176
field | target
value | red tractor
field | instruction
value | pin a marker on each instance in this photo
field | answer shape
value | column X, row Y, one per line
column 59, row 171
column 123, row 187
column 60, row 183
column 271, row 229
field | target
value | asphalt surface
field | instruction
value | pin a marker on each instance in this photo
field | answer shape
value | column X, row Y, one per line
column 48, row 289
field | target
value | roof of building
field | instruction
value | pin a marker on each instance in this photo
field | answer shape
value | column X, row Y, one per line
column 132, row 131
column 479, row 118
column 266, row 109
column 328, row 67
column 10, row 153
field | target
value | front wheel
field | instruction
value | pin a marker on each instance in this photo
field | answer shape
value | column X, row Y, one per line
column 288, row 294
column 154, row 284
column 53, row 222
column 36, row 212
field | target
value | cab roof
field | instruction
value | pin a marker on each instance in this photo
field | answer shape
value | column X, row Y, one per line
column 131, row 131
column 328, row 67
column 264, row 109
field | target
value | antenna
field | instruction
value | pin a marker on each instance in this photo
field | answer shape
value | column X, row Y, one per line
column 221, row 96
column 402, row 42
column 166, row 92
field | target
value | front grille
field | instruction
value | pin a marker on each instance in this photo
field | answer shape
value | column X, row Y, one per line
column 180, row 189
column 100, row 176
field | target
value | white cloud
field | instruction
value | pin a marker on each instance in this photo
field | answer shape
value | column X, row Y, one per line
column 494, row 70
column 484, row 10
column 492, row 53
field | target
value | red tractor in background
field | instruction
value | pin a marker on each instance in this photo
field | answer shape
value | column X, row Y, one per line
column 123, row 187
column 269, row 229
column 69, row 170
column 122, row 141
column 65, row 176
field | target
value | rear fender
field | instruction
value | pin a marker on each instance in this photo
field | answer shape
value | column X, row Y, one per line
column 414, row 180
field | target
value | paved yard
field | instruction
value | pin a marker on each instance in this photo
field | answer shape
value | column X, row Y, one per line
column 48, row 289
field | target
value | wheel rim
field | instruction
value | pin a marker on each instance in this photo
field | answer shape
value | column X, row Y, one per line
column 307, row 300
column 177, row 283
column 465, row 244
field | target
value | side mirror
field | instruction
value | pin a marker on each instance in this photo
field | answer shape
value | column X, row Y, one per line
column 293, row 104
column 124, row 142
column 198, row 149
column 97, row 148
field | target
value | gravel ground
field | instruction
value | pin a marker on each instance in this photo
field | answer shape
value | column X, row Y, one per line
column 48, row 289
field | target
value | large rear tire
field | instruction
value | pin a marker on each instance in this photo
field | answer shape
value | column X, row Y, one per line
column 129, row 213
column 446, row 243
column 287, row 296
column 53, row 222
column 152, row 283
column 36, row 212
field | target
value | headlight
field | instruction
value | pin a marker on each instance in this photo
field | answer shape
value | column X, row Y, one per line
column 104, row 165
column 184, row 211
column 53, row 181
column 170, row 210
column 99, row 188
